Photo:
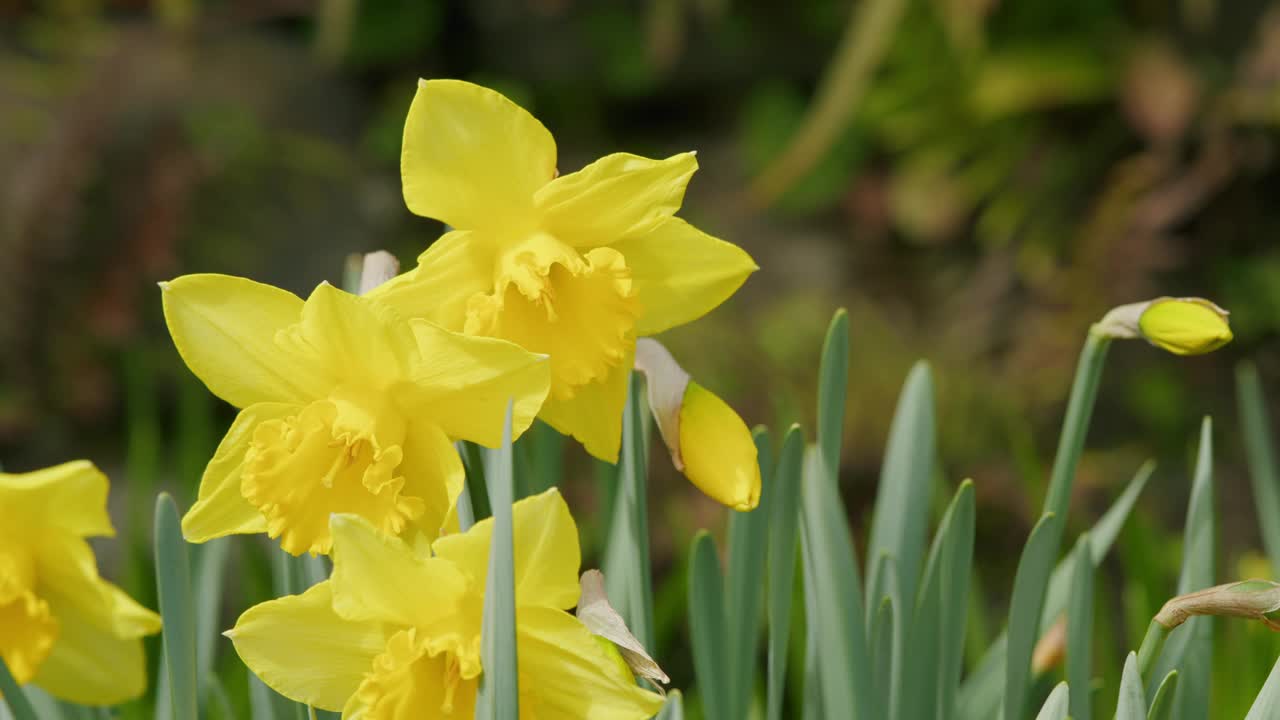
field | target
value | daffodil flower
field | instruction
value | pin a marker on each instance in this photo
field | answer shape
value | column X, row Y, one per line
column 394, row 634
column 576, row 266
column 62, row 627
column 1182, row 326
column 344, row 408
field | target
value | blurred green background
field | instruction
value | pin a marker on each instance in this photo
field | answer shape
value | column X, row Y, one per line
column 975, row 180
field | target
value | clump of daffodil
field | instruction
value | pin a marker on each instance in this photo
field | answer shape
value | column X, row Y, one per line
column 1183, row 326
column 576, row 266
column 345, row 408
column 394, row 634
column 62, row 627
column 708, row 441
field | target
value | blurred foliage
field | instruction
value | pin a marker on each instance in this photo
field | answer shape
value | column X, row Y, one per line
column 1007, row 173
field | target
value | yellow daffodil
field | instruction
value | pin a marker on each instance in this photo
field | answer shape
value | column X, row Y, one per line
column 62, row 627
column 1183, row 326
column 576, row 266
column 344, row 408
column 394, row 634
column 708, row 441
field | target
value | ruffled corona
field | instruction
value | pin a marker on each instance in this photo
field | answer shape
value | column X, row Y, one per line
column 580, row 309
column 302, row 468
column 27, row 628
column 406, row 681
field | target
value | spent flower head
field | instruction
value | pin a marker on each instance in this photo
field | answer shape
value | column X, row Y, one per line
column 576, row 266
column 62, row 627
column 345, row 408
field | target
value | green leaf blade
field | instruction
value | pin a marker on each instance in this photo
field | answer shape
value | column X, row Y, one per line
column 177, row 612
column 497, row 697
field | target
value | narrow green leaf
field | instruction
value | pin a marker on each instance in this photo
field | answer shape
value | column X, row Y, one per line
column 783, row 506
column 13, row 697
column 673, row 708
column 883, row 629
column 1080, row 631
column 833, row 383
column 1162, row 703
column 211, row 563
column 835, row 588
column 936, row 645
column 748, row 540
column 1267, row 705
column 901, row 515
column 262, row 700
column 1189, row 650
column 497, row 697
column 1024, row 610
column 1132, row 704
column 173, row 589
column 707, row 627
column 1262, row 458
column 626, row 567
column 1055, row 706
column 982, row 691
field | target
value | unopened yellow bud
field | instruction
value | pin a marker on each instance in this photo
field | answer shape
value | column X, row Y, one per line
column 718, row 452
column 1185, row 326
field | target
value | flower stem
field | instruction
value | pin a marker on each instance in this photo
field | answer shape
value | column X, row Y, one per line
column 1150, row 650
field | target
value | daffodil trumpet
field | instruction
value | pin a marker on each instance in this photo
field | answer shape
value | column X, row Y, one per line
column 1182, row 326
column 344, row 408
column 707, row 440
column 62, row 627
column 576, row 266
column 394, row 634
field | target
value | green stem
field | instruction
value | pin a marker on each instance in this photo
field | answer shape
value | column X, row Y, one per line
column 1152, row 642
column 1084, row 391
column 11, row 693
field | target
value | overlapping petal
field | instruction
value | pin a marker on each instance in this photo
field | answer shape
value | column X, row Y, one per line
column 433, row 472
column 362, row 343
column 69, row 581
column 455, row 267
column 471, row 157
column 90, row 664
column 547, row 555
column 614, row 198
column 566, row 675
column 304, row 650
column 593, row 416
column 225, row 329
column 464, row 383
column 221, row 508
column 681, row 273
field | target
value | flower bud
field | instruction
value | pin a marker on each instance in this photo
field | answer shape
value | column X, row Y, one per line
column 708, row 441
column 1252, row 599
column 1183, row 326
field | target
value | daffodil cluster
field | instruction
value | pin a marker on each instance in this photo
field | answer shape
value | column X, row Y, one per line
column 62, row 627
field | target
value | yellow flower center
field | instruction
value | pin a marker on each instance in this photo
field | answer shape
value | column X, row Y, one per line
column 27, row 629
column 407, row 681
column 337, row 455
column 549, row 298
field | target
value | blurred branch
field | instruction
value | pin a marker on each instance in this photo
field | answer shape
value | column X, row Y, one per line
column 866, row 39
column 334, row 21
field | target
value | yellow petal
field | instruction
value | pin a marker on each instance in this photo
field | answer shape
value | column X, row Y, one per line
column 361, row 342
column 408, row 683
column 545, row 541
column 567, row 675
column 464, row 383
column 593, row 416
column 303, row 650
column 225, row 329
column 69, row 581
column 90, row 664
column 71, row 496
column 28, row 632
column 1185, row 326
column 455, row 267
column 432, row 471
column 718, row 452
column 377, row 577
column 614, row 198
column 681, row 273
column 220, row 507
column 471, row 157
